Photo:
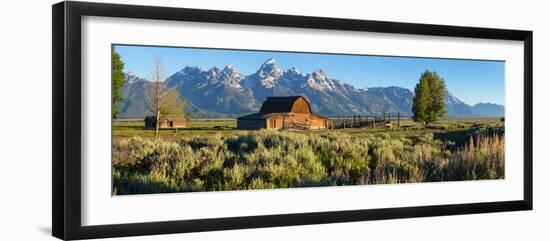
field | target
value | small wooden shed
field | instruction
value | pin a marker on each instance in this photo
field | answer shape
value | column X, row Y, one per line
column 288, row 112
column 166, row 122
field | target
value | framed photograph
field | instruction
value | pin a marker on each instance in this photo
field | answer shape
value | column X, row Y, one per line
column 170, row 120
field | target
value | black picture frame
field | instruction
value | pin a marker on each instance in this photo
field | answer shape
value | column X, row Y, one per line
column 66, row 127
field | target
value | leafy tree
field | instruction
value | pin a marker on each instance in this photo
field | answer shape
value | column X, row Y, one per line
column 173, row 105
column 117, row 79
column 429, row 98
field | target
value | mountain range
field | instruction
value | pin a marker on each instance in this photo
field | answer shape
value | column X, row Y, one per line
column 227, row 93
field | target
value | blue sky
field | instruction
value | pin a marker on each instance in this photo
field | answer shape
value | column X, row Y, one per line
column 472, row 81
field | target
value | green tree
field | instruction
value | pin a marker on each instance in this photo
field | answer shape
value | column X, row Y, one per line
column 429, row 98
column 117, row 80
column 173, row 105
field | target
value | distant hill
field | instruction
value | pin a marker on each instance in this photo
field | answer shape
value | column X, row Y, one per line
column 227, row 93
column 488, row 109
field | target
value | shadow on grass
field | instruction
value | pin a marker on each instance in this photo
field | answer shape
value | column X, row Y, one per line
column 458, row 137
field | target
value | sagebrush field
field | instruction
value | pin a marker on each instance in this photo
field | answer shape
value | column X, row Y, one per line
column 211, row 156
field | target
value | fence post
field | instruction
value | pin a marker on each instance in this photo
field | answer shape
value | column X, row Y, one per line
column 398, row 119
column 344, row 121
column 283, row 126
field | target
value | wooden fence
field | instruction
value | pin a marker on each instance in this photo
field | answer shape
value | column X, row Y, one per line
column 365, row 121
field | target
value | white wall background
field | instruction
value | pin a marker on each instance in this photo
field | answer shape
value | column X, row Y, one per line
column 25, row 93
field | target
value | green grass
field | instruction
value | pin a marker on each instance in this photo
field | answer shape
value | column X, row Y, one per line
column 446, row 129
column 123, row 128
column 201, row 158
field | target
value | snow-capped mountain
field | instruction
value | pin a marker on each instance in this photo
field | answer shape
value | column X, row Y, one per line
column 214, row 90
column 227, row 92
column 266, row 77
column 455, row 106
column 133, row 94
column 267, row 81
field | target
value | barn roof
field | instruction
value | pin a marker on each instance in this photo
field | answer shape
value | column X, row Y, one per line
column 280, row 104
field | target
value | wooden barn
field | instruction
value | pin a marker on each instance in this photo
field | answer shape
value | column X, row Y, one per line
column 289, row 112
column 166, row 122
